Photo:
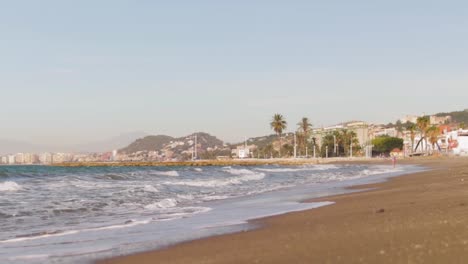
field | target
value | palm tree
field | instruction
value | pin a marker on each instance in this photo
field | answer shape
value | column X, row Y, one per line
column 433, row 133
column 412, row 129
column 423, row 123
column 399, row 128
column 304, row 127
column 278, row 124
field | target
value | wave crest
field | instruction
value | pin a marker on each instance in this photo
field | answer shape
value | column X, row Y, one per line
column 9, row 186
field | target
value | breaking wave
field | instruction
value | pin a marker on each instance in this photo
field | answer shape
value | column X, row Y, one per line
column 163, row 204
column 166, row 173
column 9, row 186
column 220, row 182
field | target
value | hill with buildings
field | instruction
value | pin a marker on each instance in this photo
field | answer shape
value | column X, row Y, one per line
column 457, row 116
column 162, row 147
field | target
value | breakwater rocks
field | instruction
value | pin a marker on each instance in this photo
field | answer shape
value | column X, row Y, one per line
column 230, row 162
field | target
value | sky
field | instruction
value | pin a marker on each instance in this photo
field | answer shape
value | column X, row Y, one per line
column 79, row 71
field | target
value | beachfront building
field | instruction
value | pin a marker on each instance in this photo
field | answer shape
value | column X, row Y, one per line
column 243, row 152
column 360, row 128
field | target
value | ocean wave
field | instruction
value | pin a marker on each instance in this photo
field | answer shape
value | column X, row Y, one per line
column 129, row 223
column 39, row 235
column 198, row 169
column 188, row 197
column 111, row 176
column 166, row 173
column 215, row 198
column 150, row 188
column 181, row 212
column 220, row 182
column 3, row 215
column 69, row 211
column 9, row 186
column 163, row 204
column 284, row 169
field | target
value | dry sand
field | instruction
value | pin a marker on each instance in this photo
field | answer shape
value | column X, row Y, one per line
column 418, row 218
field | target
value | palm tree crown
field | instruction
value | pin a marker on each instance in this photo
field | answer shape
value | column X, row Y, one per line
column 278, row 124
column 305, row 126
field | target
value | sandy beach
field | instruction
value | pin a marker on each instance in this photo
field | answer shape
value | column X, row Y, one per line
column 417, row 218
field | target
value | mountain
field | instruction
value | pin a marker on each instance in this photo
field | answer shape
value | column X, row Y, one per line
column 148, row 143
column 177, row 148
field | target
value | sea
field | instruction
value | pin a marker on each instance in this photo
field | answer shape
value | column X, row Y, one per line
column 80, row 215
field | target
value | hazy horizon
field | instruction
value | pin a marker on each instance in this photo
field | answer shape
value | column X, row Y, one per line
column 78, row 72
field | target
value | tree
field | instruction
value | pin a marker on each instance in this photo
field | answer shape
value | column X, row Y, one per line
column 346, row 138
column 385, row 144
column 278, row 124
column 268, row 151
column 327, row 145
column 411, row 127
column 304, row 127
column 433, row 133
column 399, row 128
column 462, row 125
column 423, row 123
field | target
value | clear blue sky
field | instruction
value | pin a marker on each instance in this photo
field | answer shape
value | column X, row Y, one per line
column 78, row 71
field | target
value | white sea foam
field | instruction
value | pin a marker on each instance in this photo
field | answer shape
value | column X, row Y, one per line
column 215, row 197
column 221, row 182
column 129, row 224
column 29, row 257
column 163, row 204
column 166, row 173
column 284, row 169
column 189, row 197
column 182, row 212
column 9, row 186
column 150, row 188
column 19, row 239
column 198, row 169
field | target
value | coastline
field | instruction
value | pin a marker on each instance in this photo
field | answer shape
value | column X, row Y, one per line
column 228, row 162
column 393, row 221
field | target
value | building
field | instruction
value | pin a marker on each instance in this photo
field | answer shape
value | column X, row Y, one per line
column 11, row 159
column 243, row 152
column 440, row 120
column 362, row 130
column 45, row 158
column 19, row 158
column 409, row 118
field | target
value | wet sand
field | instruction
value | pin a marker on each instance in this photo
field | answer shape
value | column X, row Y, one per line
column 417, row 218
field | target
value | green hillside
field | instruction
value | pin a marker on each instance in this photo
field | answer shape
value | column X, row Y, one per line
column 149, row 143
column 457, row 116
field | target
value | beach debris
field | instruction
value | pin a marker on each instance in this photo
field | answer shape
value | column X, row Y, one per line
column 381, row 210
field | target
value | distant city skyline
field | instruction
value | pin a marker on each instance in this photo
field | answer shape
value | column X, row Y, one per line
column 79, row 72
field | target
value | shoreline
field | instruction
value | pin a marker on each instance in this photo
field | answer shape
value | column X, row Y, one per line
column 197, row 251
